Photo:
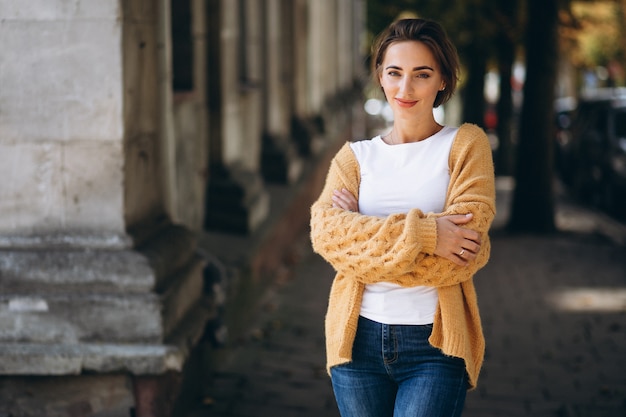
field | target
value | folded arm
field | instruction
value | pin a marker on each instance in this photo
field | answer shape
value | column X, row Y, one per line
column 471, row 190
column 402, row 248
column 368, row 248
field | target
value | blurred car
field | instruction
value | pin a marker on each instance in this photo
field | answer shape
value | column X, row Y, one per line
column 595, row 163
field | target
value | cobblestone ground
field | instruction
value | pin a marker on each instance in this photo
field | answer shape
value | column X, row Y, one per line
column 554, row 315
column 554, row 318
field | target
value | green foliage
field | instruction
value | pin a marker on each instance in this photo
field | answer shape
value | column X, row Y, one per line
column 470, row 24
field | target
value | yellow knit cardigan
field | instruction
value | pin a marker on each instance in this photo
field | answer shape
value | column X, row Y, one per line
column 399, row 249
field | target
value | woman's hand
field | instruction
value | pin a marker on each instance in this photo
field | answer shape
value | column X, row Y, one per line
column 458, row 244
column 345, row 200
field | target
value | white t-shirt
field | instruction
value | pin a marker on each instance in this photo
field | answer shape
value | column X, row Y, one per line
column 395, row 179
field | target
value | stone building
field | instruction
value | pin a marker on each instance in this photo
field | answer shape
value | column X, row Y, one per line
column 157, row 159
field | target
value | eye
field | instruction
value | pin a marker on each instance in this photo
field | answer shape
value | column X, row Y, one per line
column 423, row 75
column 393, row 73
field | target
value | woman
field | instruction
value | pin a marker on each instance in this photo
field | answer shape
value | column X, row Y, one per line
column 403, row 218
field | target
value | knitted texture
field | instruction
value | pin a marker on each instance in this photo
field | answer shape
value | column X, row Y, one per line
column 399, row 249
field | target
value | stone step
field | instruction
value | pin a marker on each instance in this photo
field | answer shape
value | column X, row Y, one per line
column 138, row 358
column 75, row 317
column 63, row 270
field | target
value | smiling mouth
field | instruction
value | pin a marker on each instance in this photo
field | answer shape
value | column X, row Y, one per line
column 405, row 103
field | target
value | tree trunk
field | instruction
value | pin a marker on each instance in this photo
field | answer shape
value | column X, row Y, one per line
column 473, row 93
column 505, row 49
column 533, row 199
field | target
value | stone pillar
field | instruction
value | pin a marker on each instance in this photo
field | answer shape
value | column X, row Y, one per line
column 307, row 125
column 236, row 197
column 94, row 277
column 186, row 129
column 324, row 42
column 280, row 160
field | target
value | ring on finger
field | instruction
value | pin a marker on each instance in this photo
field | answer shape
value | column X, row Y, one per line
column 462, row 252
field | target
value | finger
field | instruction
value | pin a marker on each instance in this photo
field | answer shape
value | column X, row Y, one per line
column 341, row 195
column 348, row 199
column 339, row 203
column 472, row 248
column 338, row 196
column 460, row 218
column 343, row 202
column 472, row 237
column 458, row 259
column 347, row 195
column 467, row 256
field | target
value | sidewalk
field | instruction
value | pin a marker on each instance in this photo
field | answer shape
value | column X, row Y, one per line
column 554, row 316
column 279, row 370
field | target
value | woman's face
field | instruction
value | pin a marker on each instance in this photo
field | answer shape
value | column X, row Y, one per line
column 410, row 78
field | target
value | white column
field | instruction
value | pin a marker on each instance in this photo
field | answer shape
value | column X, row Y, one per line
column 344, row 44
column 277, row 66
column 301, row 57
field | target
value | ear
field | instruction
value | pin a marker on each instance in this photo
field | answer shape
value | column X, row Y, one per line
column 443, row 86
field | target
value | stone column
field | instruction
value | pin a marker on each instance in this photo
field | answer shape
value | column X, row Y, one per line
column 94, row 277
column 280, row 160
column 236, row 197
column 307, row 125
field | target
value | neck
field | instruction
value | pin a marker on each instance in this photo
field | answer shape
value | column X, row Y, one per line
column 414, row 132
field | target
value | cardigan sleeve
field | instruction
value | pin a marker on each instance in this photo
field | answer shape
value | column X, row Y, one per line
column 471, row 190
column 366, row 248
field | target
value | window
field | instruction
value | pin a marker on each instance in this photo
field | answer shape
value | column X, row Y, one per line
column 182, row 45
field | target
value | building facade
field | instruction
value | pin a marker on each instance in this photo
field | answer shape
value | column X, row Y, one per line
column 138, row 140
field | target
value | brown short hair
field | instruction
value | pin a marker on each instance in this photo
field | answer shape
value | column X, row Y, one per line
column 431, row 34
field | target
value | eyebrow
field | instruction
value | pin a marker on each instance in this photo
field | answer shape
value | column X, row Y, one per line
column 423, row 67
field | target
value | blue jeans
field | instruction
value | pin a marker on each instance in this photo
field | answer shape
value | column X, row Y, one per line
column 395, row 372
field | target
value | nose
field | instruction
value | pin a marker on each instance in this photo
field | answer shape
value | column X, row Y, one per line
column 405, row 86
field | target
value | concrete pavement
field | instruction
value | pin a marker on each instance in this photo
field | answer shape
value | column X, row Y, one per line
column 554, row 316
column 279, row 370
